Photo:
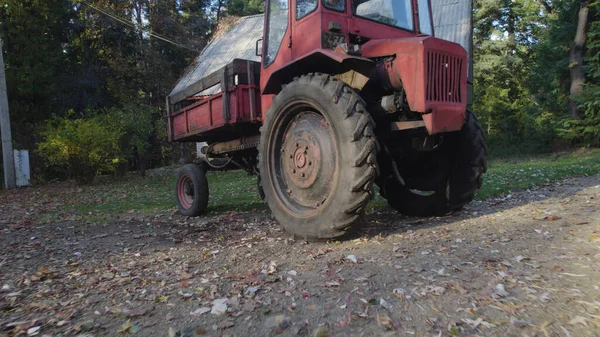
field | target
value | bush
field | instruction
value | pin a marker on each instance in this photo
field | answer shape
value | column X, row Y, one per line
column 83, row 147
column 136, row 123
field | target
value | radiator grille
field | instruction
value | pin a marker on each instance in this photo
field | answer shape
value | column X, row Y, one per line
column 443, row 77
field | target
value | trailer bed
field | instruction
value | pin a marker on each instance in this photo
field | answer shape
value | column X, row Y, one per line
column 232, row 110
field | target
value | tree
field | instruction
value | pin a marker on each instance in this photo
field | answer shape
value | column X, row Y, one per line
column 576, row 57
column 505, row 34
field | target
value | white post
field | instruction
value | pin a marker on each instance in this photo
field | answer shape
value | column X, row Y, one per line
column 7, row 149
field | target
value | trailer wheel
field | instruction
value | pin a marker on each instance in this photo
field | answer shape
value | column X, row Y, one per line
column 191, row 190
column 317, row 157
column 468, row 162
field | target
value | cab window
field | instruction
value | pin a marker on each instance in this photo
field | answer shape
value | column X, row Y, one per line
column 396, row 13
column 305, row 7
column 424, row 17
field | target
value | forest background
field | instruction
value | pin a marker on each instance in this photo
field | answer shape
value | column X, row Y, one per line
column 87, row 79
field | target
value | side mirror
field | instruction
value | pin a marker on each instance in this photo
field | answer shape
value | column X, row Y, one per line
column 258, row 50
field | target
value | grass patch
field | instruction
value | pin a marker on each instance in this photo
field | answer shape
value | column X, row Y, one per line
column 229, row 191
column 236, row 190
column 505, row 176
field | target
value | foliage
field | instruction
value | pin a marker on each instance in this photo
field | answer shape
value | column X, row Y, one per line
column 74, row 55
column 586, row 130
column 83, row 147
column 505, row 34
column 137, row 126
column 245, row 7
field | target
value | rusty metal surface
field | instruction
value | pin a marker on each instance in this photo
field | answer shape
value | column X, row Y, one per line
column 233, row 145
column 307, row 155
column 397, row 126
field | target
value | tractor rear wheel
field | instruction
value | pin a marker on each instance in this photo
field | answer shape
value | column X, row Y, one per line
column 317, row 157
column 464, row 158
column 191, row 190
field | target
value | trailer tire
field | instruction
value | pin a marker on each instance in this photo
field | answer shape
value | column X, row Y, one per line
column 317, row 157
column 191, row 190
column 465, row 177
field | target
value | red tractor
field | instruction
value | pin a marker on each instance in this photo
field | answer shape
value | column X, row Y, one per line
column 347, row 94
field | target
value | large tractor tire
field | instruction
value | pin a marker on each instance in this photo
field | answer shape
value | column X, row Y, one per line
column 191, row 190
column 464, row 158
column 317, row 157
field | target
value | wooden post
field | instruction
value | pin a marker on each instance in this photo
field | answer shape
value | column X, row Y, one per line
column 8, row 160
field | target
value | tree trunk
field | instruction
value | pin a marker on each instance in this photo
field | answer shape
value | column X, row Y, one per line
column 219, row 6
column 576, row 57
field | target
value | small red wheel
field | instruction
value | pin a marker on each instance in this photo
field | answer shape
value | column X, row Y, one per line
column 191, row 190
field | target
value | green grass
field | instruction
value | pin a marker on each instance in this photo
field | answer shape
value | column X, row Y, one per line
column 505, row 176
column 229, row 191
column 236, row 190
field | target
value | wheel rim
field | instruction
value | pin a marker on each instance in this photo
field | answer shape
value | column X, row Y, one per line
column 303, row 159
column 185, row 191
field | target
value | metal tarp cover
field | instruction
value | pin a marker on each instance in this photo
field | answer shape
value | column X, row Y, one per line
column 237, row 43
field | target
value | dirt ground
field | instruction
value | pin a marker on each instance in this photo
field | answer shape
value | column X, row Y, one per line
column 527, row 264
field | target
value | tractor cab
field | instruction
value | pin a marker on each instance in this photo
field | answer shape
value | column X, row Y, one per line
column 313, row 24
column 382, row 45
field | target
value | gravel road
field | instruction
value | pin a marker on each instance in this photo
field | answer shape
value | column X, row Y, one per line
column 527, row 264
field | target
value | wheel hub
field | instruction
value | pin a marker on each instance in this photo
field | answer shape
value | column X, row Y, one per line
column 308, row 160
column 300, row 159
column 185, row 191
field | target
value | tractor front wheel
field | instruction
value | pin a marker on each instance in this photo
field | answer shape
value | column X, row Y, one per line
column 191, row 190
column 317, row 157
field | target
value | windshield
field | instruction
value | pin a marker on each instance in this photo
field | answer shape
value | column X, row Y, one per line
column 391, row 12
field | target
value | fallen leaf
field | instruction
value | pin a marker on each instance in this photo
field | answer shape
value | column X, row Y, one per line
column 399, row 292
column 33, row 331
column 226, row 324
column 201, row 311
column 521, row 258
column 126, row 326
column 499, row 290
column 332, row 284
column 579, row 320
column 135, row 329
column 219, row 306
column 321, row 331
column 385, row 322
